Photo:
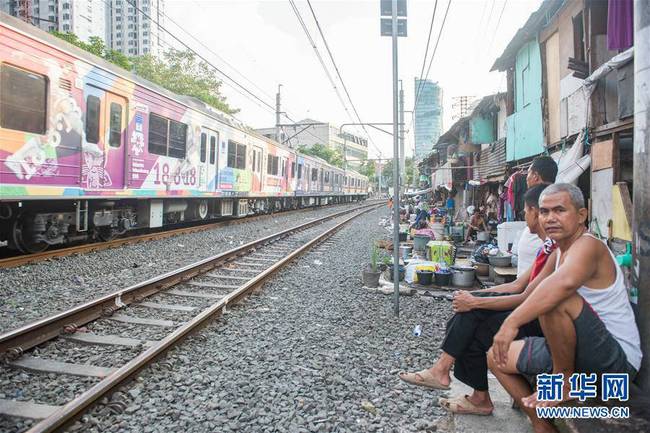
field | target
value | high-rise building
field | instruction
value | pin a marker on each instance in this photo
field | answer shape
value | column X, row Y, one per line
column 84, row 18
column 428, row 116
column 134, row 26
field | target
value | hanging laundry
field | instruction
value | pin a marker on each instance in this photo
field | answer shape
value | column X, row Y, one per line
column 620, row 24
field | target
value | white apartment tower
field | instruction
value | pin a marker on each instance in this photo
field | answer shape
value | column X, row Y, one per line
column 84, row 18
column 134, row 26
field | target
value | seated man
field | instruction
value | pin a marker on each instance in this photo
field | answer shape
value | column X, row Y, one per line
column 476, row 224
column 477, row 319
column 583, row 309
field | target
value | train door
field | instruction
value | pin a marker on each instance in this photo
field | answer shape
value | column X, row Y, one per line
column 256, row 168
column 103, row 147
column 208, row 159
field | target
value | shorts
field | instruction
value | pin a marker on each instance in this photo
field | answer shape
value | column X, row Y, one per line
column 597, row 351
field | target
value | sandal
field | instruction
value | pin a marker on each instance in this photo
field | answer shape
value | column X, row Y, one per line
column 423, row 378
column 462, row 405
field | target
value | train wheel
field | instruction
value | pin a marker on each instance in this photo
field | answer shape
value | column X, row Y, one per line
column 23, row 236
column 105, row 234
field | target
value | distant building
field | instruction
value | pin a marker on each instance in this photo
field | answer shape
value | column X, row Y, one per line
column 84, row 18
column 428, row 116
column 308, row 132
column 131, row 31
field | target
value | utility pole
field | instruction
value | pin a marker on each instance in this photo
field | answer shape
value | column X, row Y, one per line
column 278, row 138
column 640, row 223
column 402, row 156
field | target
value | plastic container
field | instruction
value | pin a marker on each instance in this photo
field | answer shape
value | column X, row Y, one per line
column 420, row 242
column 438, row 229
column 442, row 278
column 425, row 278
column 509, row 233
column 405, row 250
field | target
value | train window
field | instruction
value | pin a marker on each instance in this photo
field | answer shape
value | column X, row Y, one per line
column 254, row 159
column 158, row 130
column 293, row 169
column 284, row 168
column 314, row 174
column 232, row 154
column 236, row 155
column 259, row 161
column 177, row 139
column 327, row 177
column 299, row 171
column 241, row 156
column 204, row 146
column 23, row 100
column 115, row 128
column 213, row 149
column 93, row 111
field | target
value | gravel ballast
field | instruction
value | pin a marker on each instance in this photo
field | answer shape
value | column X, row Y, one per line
column 33, row 291
column 311, row 351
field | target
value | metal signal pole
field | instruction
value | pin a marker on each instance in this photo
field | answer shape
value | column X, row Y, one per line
column 395, row 168
column 277, row 116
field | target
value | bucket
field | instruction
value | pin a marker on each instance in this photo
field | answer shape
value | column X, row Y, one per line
column 405, row 250
column 425, row 278
column 420, row 242
column 482, row 236
column 438, row 229
column 402, row 236
column 442, row 278
column 390, row 270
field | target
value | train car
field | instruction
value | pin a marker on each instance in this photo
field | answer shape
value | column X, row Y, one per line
column 90, row 151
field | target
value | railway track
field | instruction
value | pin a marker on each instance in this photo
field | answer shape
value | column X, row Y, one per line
column 200, row 292
column 23, row 259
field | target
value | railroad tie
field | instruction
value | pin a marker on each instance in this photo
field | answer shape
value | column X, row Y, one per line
column 212, row 285
column 142, row 321
column 176, row 292
column 51, row 366
column 26, row 409
column 172, row 307
column 104, row 340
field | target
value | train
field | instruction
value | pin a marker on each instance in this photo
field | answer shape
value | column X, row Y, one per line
column 90, row 151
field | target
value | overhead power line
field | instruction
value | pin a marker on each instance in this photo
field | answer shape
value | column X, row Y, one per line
column 426, row 50
column 338, row 73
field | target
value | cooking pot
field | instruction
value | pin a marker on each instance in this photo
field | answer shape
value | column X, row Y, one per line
column 462, row 276
column 482, row 269
column 482, row 236
column 500, row 261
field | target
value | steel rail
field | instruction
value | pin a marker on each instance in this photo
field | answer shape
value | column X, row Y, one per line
column 75, row 408
column 15, row 342
column 24, row 259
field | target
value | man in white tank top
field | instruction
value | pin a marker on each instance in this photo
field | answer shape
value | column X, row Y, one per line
column 582, row 306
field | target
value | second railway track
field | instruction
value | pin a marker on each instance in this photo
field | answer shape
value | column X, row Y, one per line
column 200, row 291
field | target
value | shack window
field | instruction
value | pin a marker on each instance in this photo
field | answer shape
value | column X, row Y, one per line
column 93, row 111
column 204, row 146
column 578, row 38
column 23, row 100
column 115, row 127
column 213, row 149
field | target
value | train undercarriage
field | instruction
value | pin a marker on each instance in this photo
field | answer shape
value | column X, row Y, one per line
column 33, row 226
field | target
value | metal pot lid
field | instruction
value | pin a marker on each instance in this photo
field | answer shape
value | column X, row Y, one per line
column 462, row 268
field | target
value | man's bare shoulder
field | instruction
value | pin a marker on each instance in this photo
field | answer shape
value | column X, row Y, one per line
column 586, row 248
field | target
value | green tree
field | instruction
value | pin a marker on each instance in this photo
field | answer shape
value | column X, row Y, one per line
column 387, row 172
column 332, row 156
column 368, row 169
column 95, row 45
column 181, row 72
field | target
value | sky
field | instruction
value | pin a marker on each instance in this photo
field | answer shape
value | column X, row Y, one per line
column 261, row 44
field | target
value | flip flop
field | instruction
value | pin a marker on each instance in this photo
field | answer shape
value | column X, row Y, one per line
column 462, row 406
column 423, row 378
